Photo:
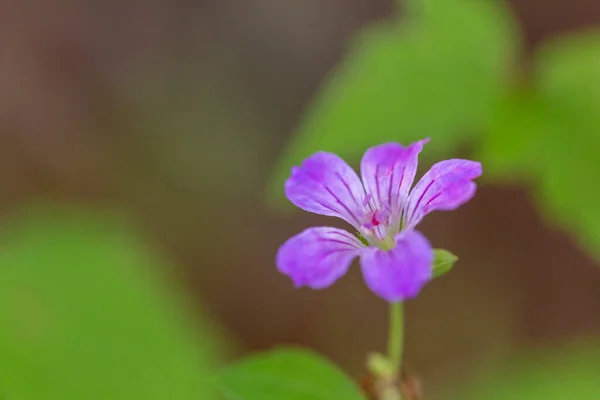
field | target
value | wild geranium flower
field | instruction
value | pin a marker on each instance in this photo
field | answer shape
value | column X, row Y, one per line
column 396, row 260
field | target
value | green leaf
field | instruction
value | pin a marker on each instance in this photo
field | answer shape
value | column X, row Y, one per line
column 568, row 73
column 87, row 312
column 443, row 262
column 510, row 147
column 551, row 135
column 287, row 374
column 571, row 373
column 437, row 73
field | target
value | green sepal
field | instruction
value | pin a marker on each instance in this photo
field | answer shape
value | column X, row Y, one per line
column 443, row 262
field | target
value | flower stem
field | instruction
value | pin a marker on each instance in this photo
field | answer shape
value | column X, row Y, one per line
column 396, row 336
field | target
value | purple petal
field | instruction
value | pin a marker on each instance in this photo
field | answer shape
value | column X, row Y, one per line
column 325, row 184
column 318, row 256
column 399, row 273
column 388, row 171
column 446, row 186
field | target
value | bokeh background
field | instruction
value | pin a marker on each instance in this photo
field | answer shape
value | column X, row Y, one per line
column 181, row 118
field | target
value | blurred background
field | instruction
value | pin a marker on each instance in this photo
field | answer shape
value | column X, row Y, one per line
column 183, row 118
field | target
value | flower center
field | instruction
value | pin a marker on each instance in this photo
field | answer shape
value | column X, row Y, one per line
column 375, row 229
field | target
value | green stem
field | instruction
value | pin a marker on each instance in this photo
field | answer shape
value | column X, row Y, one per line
column 396, row 336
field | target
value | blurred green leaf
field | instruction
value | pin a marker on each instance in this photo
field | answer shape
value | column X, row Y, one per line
column 443, row 262
column 438, row 73
column 86, row 313
column 550, row 134
column 552, row 375
column 287, row 374
column 508, row 149
column 568, row 78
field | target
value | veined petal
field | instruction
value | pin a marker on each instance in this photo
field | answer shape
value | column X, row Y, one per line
column 318, row 256
column 446, row 186
column 401, row 272
column 388, row 171
column 325, row 184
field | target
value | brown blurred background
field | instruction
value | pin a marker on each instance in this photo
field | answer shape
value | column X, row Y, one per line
column 178, row 110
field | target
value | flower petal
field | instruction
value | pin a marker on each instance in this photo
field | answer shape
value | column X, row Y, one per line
column 388, row 171
column 399, row 273
column 446, row 186
column 318, row 256
column 325, row 184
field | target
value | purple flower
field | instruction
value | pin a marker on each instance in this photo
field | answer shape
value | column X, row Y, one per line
column 396, row 260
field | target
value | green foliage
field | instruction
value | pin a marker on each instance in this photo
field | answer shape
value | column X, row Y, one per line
column 438, row 72
column 568, row 74
column 286, row 374
column 86, row 313
column 510, row 146
column 443, row 262
column 550, row 134
column 568, row 374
